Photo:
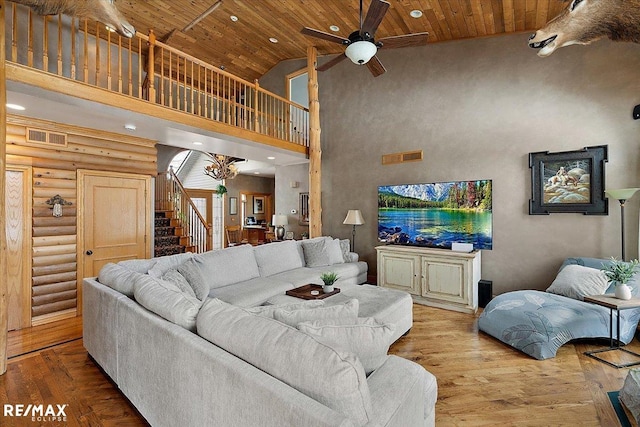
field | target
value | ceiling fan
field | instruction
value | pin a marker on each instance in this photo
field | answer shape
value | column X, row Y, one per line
column 361, row 44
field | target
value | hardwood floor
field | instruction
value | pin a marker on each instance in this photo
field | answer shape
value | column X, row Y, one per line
column 481, row 382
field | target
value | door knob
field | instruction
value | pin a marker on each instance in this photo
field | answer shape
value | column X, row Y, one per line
column 89, row 252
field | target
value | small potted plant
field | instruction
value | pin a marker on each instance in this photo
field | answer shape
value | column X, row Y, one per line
column 619, row 273
column 328, row 278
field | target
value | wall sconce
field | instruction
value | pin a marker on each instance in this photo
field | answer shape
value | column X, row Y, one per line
column 56, row 203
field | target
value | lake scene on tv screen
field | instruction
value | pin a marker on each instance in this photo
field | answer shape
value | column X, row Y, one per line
column 436, row 214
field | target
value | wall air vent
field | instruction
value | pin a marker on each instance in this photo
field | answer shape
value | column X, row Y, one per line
column 408, row 156
column 46, row 137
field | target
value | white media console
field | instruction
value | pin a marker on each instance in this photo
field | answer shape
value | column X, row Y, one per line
column 435, row 277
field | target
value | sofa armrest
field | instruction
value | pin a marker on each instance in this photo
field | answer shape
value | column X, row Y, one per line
column 403, row 393
column 352, row 257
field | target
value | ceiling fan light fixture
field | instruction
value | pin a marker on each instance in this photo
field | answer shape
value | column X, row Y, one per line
column 361, row 52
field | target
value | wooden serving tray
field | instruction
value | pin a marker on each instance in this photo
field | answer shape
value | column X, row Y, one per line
column 304, row 292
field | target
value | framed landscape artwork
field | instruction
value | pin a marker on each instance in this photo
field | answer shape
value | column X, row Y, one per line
column 569, row 181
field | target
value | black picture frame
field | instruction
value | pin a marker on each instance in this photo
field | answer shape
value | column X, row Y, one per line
column 568, row 182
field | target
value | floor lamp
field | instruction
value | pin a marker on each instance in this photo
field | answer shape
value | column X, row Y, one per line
column 622, row 195
column 354, row 217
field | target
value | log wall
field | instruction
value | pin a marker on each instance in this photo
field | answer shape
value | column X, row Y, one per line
column 54, row 242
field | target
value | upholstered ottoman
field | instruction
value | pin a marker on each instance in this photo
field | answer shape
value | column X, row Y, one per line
column 630, row 393
column 386, row 305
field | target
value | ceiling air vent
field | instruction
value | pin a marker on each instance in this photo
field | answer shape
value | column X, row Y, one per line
column 408, row 156
column 46, row 137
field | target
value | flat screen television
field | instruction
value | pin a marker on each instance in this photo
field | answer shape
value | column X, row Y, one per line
column 436, row 214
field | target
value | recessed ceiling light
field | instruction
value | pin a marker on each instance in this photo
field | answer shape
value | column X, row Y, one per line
column 15, row 107
column 197, row 143
column 273, row 40
column 334, row 28
column 256, row 173
column 415, row 13
column 234, row 18
column 110, row 28
column 130, row 127
column 271, row 158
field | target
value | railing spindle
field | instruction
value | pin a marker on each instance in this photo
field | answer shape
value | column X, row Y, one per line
column 59, row 45
column 73, row 48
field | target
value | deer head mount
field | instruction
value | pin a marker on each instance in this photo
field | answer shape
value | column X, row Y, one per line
column 585, row 21
column 99, row 10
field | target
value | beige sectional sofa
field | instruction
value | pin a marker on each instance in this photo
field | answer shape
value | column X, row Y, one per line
column 228, row 356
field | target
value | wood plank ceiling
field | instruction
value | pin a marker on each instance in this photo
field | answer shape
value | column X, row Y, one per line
column 244, row 49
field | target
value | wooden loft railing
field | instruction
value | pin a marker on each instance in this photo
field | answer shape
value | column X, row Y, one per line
column 147, row 69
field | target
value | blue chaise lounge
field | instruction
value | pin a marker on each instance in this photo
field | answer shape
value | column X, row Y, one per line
column 538, row 323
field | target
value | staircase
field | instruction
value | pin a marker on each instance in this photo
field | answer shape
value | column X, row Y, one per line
column 169, row 238
column 179, row 227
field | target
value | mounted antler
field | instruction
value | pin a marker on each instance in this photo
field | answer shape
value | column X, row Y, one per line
column 100, row 10
column 585, row 21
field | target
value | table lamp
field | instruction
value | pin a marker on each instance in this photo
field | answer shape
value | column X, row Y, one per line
column 279, row 221
column 622, row 195
column 354, row 217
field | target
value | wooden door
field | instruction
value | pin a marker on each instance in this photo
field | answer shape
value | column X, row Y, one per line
column 18, row 232
column 114, row 219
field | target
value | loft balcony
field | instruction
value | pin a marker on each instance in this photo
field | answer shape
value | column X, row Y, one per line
column 84, row 60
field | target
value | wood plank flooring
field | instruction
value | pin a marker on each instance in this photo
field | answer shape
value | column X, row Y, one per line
column 481, row 381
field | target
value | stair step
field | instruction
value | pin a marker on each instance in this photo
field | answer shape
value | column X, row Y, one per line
column 168, row 250
column 162, row 222
column 164, row 231
column 166, row 240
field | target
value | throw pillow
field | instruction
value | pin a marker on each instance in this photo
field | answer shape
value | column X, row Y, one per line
column 166, row 300
column 118, row 278
column 367, row 338
column 166, row 263
column 576, row 281
column 173, row 276
column 268, row 310
column 227, row 266
column 345, row 247
column 334, row 251
column 348, row 310
column 315, row 253
column 193, row 275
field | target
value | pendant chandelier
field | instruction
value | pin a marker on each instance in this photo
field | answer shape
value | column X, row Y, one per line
column 221, row 167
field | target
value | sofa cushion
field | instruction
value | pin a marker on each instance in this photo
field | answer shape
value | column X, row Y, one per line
column 576, row 281
column 138, row 265
column 166, row 300
column 165, row 263
column 315, row 252
column 251, row 292
column 345, row 247
column 277, row 257
column 345, row 270
column 366, row 338
column 332, row 377
column 191, row 272
column 347, row 311
column 223, row 267
column 268, row 310
column 300, row 276
column 118, row 278
column 334, row 251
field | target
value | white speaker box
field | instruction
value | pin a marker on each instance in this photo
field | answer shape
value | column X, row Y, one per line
column 462, row 247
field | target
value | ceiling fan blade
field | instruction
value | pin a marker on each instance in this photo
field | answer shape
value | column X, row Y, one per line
column 376, row 12
column 408, row 40
column 375, row 66
column 324, row 36
column 331, row 63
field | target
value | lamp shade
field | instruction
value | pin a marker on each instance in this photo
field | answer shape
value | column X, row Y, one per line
column 279, row 220
column 622, row 193
column 354, row 217
column 361, row 52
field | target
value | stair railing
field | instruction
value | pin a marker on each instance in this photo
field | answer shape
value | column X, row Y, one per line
column 171, row 196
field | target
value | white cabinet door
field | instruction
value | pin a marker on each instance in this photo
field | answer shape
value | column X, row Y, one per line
column 399, row 271
column 444, row 280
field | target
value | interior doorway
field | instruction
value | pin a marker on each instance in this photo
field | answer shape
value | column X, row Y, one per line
column 211, row 208
column 114, row 220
